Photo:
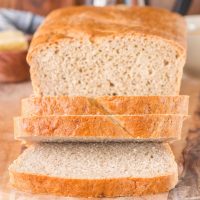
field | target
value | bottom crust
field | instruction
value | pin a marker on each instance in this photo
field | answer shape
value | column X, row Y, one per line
column 112, row 187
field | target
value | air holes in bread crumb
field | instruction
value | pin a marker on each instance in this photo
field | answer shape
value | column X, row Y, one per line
column 111, row 84
column 148, row 83
column 56, row 51
column 166, row 62
column 137, row 54
column 63, row 78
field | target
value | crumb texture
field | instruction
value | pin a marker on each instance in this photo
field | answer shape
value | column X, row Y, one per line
column 108, row 51
column 97, row 160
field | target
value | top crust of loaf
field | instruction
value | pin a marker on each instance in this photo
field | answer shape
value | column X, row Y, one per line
column 96, row 23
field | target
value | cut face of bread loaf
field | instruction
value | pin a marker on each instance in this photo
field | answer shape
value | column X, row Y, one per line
column 95, row 169
column 100, row 127
column 92, row 51
column 106, row 105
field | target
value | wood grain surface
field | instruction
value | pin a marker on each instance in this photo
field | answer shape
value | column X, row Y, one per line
column 187, row 150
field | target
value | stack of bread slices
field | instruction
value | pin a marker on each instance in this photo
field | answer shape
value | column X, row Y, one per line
column 106, row 103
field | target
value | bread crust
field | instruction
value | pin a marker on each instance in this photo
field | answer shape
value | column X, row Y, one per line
column 95, row 25
column 112, row 187
column 60, row 25
column 105, row 105
column 151, row 127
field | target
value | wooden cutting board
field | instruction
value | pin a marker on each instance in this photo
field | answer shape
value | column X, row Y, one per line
column 187, row 152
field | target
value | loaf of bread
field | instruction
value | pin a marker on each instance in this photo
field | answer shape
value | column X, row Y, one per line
column 97, row 128
column 106, row 105
column 95, row 169
column 96, row 51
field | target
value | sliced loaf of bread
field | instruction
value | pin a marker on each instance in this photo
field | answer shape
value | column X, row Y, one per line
column 105, row 105
column 92, row 51
column 100, row 127
column 95, row 169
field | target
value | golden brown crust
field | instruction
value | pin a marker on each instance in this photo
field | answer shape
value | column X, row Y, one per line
column 113, row 187
column 111, row 105
column 149, row 127
column 96, row 23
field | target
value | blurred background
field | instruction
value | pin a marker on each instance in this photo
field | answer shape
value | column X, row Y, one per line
column 20, row 18
column 43, row 7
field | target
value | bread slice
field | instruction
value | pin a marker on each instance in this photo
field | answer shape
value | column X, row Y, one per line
column 99, row 127
column 95, row 169
column 100, row 51
column 106, row 105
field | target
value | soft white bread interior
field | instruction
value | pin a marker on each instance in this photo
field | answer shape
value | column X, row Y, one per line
column 94, row 51
column 97, row 165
